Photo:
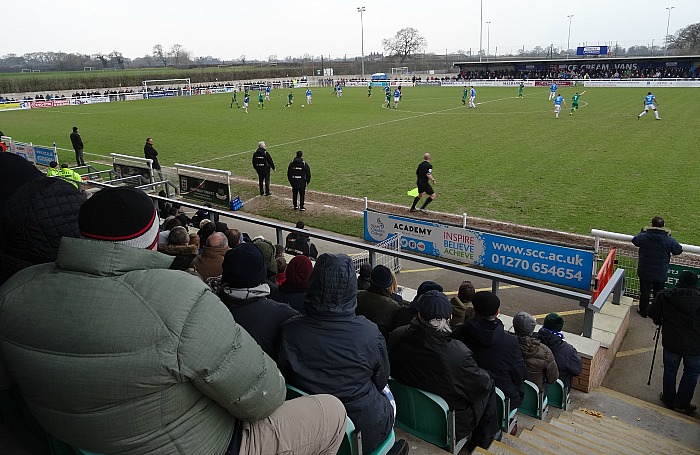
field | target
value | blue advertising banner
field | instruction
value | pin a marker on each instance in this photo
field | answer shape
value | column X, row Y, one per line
column 592, row 50
column 44, row 155
column 555, row 264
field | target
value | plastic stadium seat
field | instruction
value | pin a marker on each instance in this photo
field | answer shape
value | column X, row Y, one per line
column 352, row 442
column 426, row 416
column 559, row 396
column 535, row 402
column 508, row 416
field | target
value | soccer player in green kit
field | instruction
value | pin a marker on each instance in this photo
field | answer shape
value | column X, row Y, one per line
column 290, row 99
column 388, row 99
column 574, row 101
column 520, row 89
column 464, row 96
column 369, row 90
column 261, row 100
column 233, row 100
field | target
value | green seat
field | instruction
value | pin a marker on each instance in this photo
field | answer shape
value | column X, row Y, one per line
column 426, row 416
column 535, row 402
column 559, row 396
column 508, row 416
column 352, row 442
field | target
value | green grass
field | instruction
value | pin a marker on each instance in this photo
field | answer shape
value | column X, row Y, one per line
column 508, row 160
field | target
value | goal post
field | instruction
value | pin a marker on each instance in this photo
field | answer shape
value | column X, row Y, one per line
column 400, row 70
column 159, row 88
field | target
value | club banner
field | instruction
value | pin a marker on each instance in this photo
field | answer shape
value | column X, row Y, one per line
column 592, row 50
column 26, row 151
column 551, row 263
column 44, row 155
column 205, row 190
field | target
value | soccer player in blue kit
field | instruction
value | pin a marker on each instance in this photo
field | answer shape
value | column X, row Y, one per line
column 267, row 92
column 553, row 91
column 397, row 97
column 308, row 96
column 558, row 102
column 472, row 97
column 649, row 103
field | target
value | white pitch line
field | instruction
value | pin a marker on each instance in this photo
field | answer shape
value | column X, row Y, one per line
column 335, row 133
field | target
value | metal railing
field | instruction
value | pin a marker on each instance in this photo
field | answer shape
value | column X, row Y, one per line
column 627, row 258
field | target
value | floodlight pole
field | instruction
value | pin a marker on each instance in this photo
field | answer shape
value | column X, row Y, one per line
column 361, row 10
column 481, row 30
column 488, row 39
column 668, row 22
column 568, row 40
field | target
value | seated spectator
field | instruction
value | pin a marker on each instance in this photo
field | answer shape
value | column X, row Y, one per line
column 331, row 350
column 376, row 303
column 268, row 251
column 394, row 289
column 233, row 236
column 406, row 313
column 298, row 243
column 462, row 308
column 169, row 223
column 209, row 263
column 292, row 291
column 203, row 214
column 493, row 349
column 69, row 175
column 423, row 355
column 281, row 270
column 206, row 228
column 541, row 368
column 567, row 358
column 245, row 293
column 53, row 170
column 190, row 354
column 180, row 247
column 363, row 278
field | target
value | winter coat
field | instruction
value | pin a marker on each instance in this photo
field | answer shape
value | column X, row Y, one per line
column 292, row 297
column 377, row 305
column 299, row 173
column 422, row 357
column 260, row 316
column 262, row 161
column 331, row 350
column 210, row 262
column 134, row 358
column 184, row 255
column 33, row 221
column 460, row 311
column 677, row 310
column 498, row 352
column 539, row 360
column 76, row 140
column 567, row 358
column 150, row 153
column 655, row 249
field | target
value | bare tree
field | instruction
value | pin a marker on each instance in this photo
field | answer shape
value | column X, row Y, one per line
column 405, row 43
column 159, row 54
column 686, row 40
column 242, row 58
column 102, row 58
column 272, row 58
column 117, row 59
column 179, row 55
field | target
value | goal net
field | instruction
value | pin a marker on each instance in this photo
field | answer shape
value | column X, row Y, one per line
column 400, row 70
column 160, row 88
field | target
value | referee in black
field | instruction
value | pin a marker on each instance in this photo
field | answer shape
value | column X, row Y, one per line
column 425, row 176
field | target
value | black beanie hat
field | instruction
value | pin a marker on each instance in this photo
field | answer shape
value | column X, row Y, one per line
column 243, row 267
column 553, row 322
column 120, row 215
column 486, row 303
column 434, row 305
column 687, row 279
column 380, row 277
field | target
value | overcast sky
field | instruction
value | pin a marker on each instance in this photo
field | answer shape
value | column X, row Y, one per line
column 260, row 28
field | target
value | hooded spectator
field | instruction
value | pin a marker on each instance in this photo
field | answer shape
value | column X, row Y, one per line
column 293, row 290
column 541, row 368
column 376, row 303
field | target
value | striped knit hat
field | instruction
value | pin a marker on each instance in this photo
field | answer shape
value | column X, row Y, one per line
column 120, row 215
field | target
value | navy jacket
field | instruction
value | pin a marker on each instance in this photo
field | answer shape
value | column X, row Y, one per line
column 330, row 350
column 430, row 360
column 566, row 356
column 498, row 352
column 677, row 310
column 262, row 161
column 655, row 249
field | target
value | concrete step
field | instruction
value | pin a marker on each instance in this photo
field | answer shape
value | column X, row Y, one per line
column 499, row 448
column 551, row 444
column 620, row 444
column 524, row 446
column 646, row 441
column 552, row 433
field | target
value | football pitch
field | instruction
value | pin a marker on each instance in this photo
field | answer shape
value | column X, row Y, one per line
column 508, row 160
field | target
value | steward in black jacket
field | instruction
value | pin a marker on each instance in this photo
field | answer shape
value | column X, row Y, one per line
column 299, row 175
column 262, row 163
